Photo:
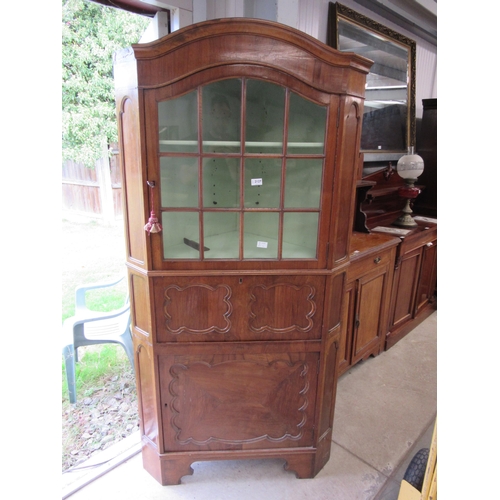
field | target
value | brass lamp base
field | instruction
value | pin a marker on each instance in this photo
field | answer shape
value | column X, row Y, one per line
column 406, row 220
column 410, row 192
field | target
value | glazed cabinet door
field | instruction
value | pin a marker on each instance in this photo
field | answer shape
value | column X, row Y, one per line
column 240, row 172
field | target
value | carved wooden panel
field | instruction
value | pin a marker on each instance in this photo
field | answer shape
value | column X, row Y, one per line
column 282, row 307
column 197, row 309
column 210, row 402
column 233, row 308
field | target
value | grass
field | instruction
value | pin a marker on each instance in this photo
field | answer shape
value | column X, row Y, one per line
column 95, row 365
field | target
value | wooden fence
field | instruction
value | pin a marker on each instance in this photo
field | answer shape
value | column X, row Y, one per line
column 94, row 192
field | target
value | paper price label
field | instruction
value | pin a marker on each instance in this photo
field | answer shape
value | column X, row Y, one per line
column 262, row 244
column 256, row 182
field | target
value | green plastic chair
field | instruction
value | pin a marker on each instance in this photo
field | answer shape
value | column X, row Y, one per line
column 89, row 327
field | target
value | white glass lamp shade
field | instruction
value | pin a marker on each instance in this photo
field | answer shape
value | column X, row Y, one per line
column 410, row 166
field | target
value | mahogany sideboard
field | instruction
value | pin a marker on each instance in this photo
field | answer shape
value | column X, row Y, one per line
column 414, row 287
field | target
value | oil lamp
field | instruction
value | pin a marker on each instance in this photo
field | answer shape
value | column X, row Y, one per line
column 410, row 166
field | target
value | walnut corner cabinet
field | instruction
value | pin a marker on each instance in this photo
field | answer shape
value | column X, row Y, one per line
column 239, row 143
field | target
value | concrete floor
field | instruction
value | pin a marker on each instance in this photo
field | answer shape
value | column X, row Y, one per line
column 385, row 412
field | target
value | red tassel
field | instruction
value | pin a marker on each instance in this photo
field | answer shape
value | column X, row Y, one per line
column 153, row 226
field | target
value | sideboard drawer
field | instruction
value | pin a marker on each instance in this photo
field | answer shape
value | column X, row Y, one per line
column 370, row 263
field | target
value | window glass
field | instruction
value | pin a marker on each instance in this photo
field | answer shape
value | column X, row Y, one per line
column 265, row 111
column 262, row 182
column 178, row 124
column 221, row 182
column 261, row 235
column 222, row 235
column 179, row 181
column 221, row 116
column 181, row 235
column 300, row 234
column 303, row 183
column 306, row 127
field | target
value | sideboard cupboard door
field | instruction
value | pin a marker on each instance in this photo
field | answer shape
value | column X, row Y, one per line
column 427, row 285
column 405, row 287
column 369, row 332
column 240, row 137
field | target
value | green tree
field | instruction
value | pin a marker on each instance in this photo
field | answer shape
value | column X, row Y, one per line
column 91, row 33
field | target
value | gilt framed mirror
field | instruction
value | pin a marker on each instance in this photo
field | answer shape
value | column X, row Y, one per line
column 389, row 112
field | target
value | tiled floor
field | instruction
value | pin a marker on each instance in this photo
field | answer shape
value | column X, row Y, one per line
column 385, row 412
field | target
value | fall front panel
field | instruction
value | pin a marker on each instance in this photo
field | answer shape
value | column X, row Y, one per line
column 233, row 308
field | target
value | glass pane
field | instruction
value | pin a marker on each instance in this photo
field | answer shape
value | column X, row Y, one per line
column 221, row 182
column 300, row 235
column 221, row 117
column 306, row 127
column 262, row 182
column 222, row 235
column 181, row 235
column 261, row 235
column 179, row 182
column 303, row 183
column 178, row 124
column 265, row 110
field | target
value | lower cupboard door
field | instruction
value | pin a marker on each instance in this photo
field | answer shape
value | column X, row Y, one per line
column 238, row 401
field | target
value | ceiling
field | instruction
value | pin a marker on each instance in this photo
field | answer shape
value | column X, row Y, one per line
column 417, row 16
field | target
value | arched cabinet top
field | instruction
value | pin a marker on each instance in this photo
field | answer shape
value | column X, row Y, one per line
column 242, row 41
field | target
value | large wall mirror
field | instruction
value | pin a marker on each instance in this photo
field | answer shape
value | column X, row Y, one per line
column 389, row 112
